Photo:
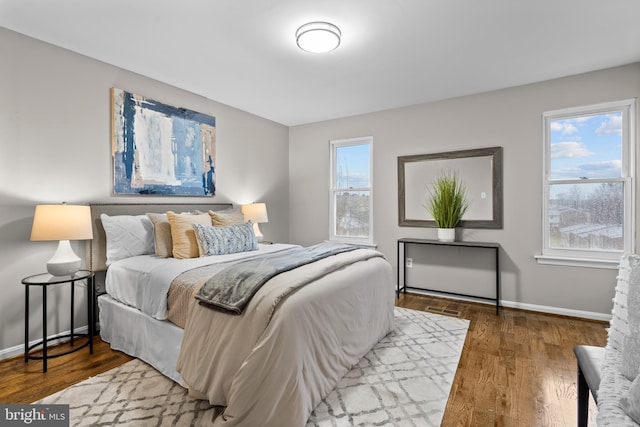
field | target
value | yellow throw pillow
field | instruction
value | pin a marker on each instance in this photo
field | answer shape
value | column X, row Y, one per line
column 226, row 218
column 185, row 244
column 162, row 233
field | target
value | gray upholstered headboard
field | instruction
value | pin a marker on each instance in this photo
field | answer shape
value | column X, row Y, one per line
column 97, row 248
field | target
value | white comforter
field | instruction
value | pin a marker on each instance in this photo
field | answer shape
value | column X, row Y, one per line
column 272, row 368
column 143, row 281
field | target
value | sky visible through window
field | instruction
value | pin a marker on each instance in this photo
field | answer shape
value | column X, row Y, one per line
column 587, row 147
column 352, row 162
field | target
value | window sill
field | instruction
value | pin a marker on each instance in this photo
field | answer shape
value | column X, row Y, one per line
column 611, row 264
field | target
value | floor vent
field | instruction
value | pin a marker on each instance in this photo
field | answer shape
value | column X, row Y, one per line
column 444, row 311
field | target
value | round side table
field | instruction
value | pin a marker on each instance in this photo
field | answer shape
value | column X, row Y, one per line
column 45, row 280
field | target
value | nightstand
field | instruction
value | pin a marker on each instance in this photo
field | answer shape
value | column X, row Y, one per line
column 46, row 280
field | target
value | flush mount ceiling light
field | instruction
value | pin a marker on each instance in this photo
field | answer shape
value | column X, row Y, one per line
column 318, row 37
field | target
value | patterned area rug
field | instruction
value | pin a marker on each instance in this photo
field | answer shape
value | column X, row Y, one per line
column 403, row 381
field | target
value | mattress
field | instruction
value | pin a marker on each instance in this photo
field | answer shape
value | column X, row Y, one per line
column 143, row 281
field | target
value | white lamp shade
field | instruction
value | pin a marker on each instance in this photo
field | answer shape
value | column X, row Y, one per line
column 256, row 212
column 318, row 37
column 62, row 222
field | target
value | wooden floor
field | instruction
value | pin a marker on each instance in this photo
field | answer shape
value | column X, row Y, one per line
column 516, row 369
column 22, row 382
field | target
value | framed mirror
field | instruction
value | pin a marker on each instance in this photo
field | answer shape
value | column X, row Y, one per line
column 480, row 171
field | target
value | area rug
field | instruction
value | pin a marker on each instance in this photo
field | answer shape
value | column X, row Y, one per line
column 404, row 380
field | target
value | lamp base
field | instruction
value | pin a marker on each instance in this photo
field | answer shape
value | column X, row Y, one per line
column 64, row 261
column 257, row 232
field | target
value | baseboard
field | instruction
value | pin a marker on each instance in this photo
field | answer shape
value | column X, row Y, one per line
column 19, row 349
column 524, row 306
column 591, row 315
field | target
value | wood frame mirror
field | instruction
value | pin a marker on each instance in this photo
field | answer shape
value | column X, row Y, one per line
column 480, row 170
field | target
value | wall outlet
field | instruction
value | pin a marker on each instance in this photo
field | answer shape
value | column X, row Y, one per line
column 409, row 262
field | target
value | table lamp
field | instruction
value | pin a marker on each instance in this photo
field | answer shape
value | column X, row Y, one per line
column 62, row 222
column 257, row 213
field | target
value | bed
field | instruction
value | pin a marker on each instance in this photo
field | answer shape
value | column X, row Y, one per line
column 269, row 366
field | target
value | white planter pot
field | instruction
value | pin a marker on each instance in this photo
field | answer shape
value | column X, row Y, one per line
column 446, row 234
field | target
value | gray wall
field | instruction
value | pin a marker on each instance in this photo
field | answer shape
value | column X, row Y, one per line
column 55, row 142
column 510, row 118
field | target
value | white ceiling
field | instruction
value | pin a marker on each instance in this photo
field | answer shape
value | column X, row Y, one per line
column 393, row 53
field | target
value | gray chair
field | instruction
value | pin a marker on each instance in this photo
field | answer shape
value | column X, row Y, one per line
column 590, row 360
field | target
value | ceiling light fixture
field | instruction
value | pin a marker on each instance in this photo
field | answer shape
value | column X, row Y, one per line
column 318, row 37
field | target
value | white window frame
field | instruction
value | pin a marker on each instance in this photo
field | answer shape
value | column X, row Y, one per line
column 334, row 145
column 586, row 257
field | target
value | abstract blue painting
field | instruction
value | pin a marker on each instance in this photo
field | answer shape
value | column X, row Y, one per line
column 159, row 149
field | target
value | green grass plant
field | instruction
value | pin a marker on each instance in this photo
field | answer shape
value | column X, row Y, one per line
column 448, row 200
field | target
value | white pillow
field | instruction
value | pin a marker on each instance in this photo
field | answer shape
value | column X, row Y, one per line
column 127, row 236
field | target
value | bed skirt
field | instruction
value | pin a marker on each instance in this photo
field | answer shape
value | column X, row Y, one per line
column 137, row 334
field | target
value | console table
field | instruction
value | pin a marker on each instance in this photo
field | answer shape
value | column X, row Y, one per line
column 481, row 245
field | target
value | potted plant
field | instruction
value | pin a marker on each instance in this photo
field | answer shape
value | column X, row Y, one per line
column 447, row 204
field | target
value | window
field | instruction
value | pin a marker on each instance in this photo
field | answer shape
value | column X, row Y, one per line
column 588, row 184
column 351, row 192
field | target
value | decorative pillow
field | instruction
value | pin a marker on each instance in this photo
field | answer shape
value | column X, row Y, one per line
column 226, row 217
column 127, row 236
column 619, row 325
column 631, row 402
column 182, row 234
column 633, row 300
column 162, row 234
column 631, row 350
column 630, row 365
column 225, row 240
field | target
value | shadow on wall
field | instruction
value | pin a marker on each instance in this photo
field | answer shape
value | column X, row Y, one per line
column 17, row 259
column 511, row 284
column 15, row 231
